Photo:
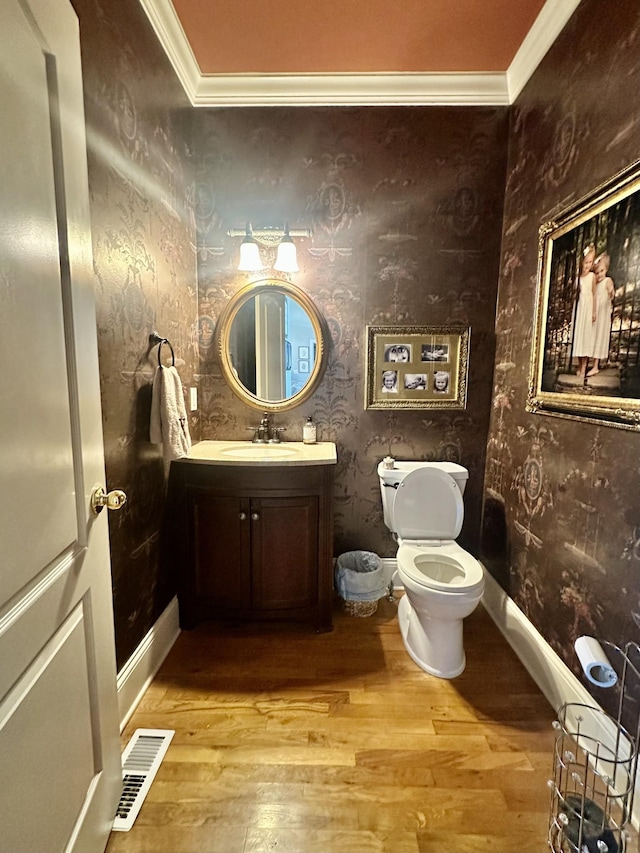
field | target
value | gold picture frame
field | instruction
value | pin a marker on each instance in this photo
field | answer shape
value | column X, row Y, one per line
column 585, row 360
column 417, row 367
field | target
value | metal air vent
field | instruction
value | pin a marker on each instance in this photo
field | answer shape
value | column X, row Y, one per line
column 141, row 760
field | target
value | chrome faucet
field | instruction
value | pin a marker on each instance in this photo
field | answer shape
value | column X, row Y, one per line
column 264, row 430
column 266, row 433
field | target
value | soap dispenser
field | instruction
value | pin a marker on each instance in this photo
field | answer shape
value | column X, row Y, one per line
column 309, row 432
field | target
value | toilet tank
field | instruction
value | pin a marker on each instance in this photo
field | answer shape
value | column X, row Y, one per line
column 391, row 477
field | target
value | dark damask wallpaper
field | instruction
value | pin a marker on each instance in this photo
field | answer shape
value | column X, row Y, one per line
column 144, row 279
column 565, row 543
column 405, row 206
column 406, row 210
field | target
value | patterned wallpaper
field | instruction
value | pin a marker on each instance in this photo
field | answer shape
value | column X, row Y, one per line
column 144, row 280
column 405, row 206
column 406, row 210
column 565, row 543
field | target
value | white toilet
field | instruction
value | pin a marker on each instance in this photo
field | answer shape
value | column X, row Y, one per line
column 443, row 583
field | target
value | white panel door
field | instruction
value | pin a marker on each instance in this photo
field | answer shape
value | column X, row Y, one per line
column 60, row 774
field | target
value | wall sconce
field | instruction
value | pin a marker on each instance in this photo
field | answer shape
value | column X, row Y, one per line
column 286, row 258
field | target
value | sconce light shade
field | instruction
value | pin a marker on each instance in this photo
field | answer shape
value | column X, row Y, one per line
column 250, row 260
column 286, row 259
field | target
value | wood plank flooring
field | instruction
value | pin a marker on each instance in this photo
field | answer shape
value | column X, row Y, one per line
column 297, row 742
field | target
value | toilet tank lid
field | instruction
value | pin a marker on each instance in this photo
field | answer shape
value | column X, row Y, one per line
column 402, row 468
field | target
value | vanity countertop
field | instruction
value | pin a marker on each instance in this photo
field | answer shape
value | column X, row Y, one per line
column 286, row 453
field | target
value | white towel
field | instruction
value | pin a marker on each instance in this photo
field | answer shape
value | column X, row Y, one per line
column 169, row 425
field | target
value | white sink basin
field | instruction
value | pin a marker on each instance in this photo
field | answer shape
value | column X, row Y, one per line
column 247, row 453
column 258, row 451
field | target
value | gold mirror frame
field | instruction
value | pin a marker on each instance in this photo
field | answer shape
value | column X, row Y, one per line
column 223, row 333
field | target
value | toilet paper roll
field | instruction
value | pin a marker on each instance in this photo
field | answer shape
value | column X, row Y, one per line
column 594, row 662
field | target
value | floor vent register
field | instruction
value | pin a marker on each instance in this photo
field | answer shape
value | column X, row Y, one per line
column 141, row 760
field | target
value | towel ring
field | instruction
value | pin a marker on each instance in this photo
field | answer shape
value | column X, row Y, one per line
column 154, row 338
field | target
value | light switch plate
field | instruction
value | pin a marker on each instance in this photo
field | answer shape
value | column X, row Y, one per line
column 193, row 399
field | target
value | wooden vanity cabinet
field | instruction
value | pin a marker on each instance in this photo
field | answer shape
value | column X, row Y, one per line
column 252, row 542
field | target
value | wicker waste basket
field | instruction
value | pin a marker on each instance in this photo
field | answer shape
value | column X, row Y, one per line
column 360, row 582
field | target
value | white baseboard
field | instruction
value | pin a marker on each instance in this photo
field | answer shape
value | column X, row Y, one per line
column 389, row 564
column 138, row 672
column 548, row 670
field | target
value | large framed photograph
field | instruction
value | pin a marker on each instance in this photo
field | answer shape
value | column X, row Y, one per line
column 417, row 367
column 585, row 356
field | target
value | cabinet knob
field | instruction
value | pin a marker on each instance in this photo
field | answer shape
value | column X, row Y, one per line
column 255, row 516
column 242, row 516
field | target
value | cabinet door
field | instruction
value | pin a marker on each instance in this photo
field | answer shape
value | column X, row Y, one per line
column 284, row 537
column 221, row 546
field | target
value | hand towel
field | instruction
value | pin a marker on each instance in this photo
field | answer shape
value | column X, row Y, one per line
column 169, row 425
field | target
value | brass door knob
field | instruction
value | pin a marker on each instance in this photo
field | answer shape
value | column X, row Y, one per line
column 114, row 499
column 255, row 516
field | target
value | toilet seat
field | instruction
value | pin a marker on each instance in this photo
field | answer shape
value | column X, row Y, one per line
column 443, row 567
column 428, row 505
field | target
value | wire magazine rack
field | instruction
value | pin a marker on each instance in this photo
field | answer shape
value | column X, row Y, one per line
column 595, row 762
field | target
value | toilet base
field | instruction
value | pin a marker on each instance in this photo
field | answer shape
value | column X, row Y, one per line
column 437, row 650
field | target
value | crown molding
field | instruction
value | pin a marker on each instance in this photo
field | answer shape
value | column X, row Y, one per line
column 375, row 89
column 545, row 30
column 249, row 90
column 174, row 42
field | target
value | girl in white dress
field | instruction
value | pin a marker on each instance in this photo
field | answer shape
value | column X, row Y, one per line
column 585, row 315
column 605, row 290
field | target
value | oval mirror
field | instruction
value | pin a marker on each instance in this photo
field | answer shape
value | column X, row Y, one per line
column 272, row 344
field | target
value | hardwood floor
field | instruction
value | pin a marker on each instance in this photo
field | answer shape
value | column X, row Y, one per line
column 297, row 742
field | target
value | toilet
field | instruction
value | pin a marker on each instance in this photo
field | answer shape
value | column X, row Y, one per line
column 443, row 583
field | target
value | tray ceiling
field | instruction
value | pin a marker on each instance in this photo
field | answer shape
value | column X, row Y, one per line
column 356, row 51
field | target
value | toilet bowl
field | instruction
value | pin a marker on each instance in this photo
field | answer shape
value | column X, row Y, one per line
column 443, row 583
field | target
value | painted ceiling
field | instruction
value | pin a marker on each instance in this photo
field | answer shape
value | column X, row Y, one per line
column 345, row 52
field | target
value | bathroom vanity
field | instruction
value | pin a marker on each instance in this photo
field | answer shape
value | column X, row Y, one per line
column 250, row 532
